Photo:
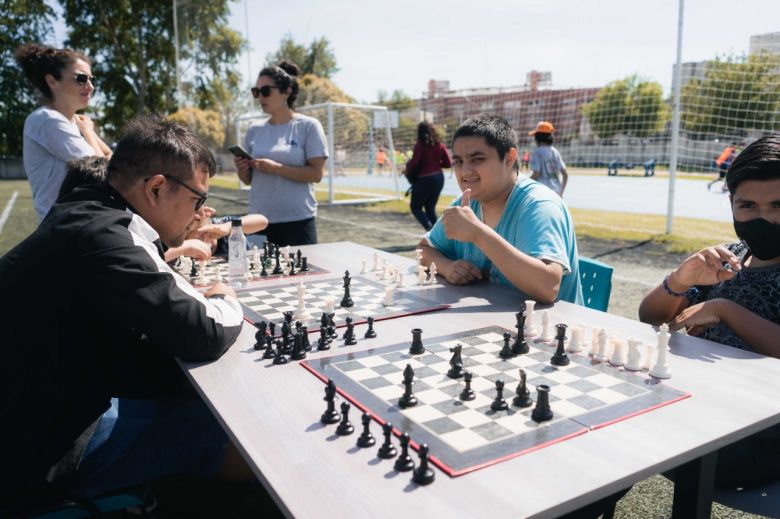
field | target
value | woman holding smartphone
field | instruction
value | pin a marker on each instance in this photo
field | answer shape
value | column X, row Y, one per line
column 289, row 153
column 54, row 133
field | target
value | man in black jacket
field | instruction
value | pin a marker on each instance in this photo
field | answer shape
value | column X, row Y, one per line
column 92, row 318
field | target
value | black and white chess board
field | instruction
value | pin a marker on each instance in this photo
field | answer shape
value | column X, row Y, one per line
column 467, row 435
column 268, row 303
column 217, row 269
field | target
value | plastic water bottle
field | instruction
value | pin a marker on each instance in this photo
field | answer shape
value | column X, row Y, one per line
column 237, row 255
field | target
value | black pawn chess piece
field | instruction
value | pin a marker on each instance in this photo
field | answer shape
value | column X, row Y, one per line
column 408, row 399
column 404, row 462
column 467, row 393
column 423, row 474
column 305, row 338
column 304, row 264
column 387, row 449
column 270, row 353
column 499, row 404
column 278, row 265
column 345, row 428
column 366, row 439
column 346, row 301
column 560, row 358
column 348, row 321
column 456, row 362
column 542, row 411
column 520, row 347
column 330, row 415
column 323, row 343
column 298, row 353
column 349, row 335
column 279, row 357
column 417, row 347
column 506, row 350
column 522, row 395
column 370, row 333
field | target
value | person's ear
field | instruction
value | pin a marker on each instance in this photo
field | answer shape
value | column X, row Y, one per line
column 511, row 158
column 50, row 81
column 152, row 187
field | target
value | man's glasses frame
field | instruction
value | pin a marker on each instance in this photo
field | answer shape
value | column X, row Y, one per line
column 202, row 197
column 82, row 79
column 264, row 91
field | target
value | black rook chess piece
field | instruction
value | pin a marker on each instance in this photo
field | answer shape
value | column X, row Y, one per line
column 560, row 358
column 542, row 411
column 370, row 333
column 499, row 404
column 417, row 347
column 520, row 346
column 323, row 343
column 408, row 399
column 404, row 462
column 366, row 439
column 387, row 449
column 467, row 393
column 522, row 395
column 423, row 474
column 330, row 415
column 345, row 428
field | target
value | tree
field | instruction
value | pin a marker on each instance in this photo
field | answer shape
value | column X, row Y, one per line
column 736, row 94
column 318, row 59
column 352, row 124
column 205, row 124
column 398, row 100
column 631, row 106
column 23, row 21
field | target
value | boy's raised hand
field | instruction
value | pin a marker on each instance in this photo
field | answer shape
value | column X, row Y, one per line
column 460, row 222
column 705, row 267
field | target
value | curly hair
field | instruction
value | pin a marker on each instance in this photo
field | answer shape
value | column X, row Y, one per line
column 37, row 60
column 285, row 76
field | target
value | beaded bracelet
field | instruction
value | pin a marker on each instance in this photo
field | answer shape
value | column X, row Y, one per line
column 691, row 293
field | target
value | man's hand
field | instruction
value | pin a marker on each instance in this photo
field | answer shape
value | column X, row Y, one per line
column 704, row 268
column 196, row 249
column 462, row 272
column 697, row 318
column 460, row 223
column 213, row 231
column 219, row 289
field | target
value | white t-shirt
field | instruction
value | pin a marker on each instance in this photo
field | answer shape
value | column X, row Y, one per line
column 548, row 162
column 292, row 144
column 50, row 140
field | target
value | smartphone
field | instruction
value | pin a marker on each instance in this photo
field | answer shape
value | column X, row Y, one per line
column 238, row 151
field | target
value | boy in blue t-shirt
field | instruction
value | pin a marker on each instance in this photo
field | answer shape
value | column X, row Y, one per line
column 510, row 230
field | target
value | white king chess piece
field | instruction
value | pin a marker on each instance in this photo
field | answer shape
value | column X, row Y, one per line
column 661, row 368
column 530, row 320
column 302, row 314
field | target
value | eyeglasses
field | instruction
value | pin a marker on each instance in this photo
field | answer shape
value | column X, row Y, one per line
column 264, row 91
column 82, row 79
column 201, row 195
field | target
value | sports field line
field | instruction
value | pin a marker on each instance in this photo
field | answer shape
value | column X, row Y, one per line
column 7, row 210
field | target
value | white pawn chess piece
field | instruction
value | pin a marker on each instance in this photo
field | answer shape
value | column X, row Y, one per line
column 375, row 266
column 546, row 328
column 302, row 314
column 432, row 275
column 618, row 352
column 201, row 279
column 400, row 283
column 634, row 362
column 575, row 344
column 388, row 296
column 601, row 354
column 661, row 369
column 363, row 269
column 647, row 358
column 330, row 304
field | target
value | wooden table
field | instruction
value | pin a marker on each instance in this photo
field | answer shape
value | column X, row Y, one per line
column 272, row 415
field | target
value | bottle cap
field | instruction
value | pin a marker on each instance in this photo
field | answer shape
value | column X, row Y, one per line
column 235, row 222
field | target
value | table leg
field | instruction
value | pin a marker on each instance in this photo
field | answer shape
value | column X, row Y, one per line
column 694, row 488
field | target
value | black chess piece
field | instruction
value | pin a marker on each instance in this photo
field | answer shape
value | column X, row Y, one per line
column 506, row 350
column 194, row 269
column 330, row 415
column 370, row 333
column 467, row 393
column 456, row 362
column 270, row 353
column 345, row 428
column 260, row 335
column 499, row 404
column 279, row 357
column 332, row 333
column 288, row 317
column 265, row 250
column 346, row 301
column 292, row 269
column 323, row 343
column 305, row 338
column 298, row 326
column 387, row 449
column 423, row 474
column 298, row 258
column 417, row 347
column 298, row 351
column 522, row 395
column 304, row 264
column 408, row 399
column 520, row 347
column 348, row 321
column 404, row 462
column 560, row 358
column 349, row 335
column 278, row 266
column 272, row 329
column 366, row 439
column 542, row 412
column 263, row 272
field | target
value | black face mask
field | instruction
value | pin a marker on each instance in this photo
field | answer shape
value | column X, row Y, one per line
column 760, row 236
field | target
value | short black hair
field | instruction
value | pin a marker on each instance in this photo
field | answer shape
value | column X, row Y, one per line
column 83, row 172
column 543, row 138
column 759, row 161
column 151, row 145
column 496, row 131
column 285, row 76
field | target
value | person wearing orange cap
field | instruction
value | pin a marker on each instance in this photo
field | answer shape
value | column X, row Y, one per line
column 546, row 163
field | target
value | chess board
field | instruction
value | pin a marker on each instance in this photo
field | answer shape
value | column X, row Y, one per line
column 464, row 436
column 218, row 264
column 267, row 303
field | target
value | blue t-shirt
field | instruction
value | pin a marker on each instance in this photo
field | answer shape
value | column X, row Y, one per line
column 536, row 222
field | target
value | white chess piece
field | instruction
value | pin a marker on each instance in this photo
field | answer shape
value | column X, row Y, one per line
column 383, row 273
column 388, row 296
column 634, row 362
column 661, row 368
column 363, row 269
column 330, row 303
column 201, row 279
column 601, row 354
column 302, row 314
column 400, row 283
column 647, row 359
column 618, row 352
column 421, row 276
column 575, row 344
column 375, row 267
column 432, row 275
column 594, row 342
column 530, row 320
column 217, row 275
column 546, row 328
column 419, row 252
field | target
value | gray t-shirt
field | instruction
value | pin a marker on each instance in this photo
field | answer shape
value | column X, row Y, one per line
column 548, row 162
column 292, row 144
column 50, row 140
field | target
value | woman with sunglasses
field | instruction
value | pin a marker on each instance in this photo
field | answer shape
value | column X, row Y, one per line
column 54, row 133
column 289, row 151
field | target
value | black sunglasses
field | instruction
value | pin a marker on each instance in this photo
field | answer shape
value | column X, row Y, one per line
column 264, row 91
column 82, row 79
column 201, row 195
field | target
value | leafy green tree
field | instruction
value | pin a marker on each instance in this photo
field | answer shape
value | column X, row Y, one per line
column 398, row 100
column 631, row 106
column 23, row 21
column 206, row 124
column 317, row 59
column 736, row 94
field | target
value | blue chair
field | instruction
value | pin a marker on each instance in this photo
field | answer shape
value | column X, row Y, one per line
column 596, row 278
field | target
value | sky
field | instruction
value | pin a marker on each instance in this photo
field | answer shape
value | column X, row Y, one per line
column 475, row 43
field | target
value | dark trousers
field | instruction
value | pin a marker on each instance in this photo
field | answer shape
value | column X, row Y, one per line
column 301, row 232
column 425, row 195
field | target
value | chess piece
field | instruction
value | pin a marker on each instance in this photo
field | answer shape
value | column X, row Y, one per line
column 363, row 269
column 456, row 362
column 305, row 338
column 279, row 357
column 263, row 272
column 349, row 335
column 467, row 393
column 546, row 335
column 634, row 362
column 522, row 395
column 499, row 404
column 421, row 277
column 530, row 326
column 647, row 359
column 330, row 303
column 298, row 258
column 366, row 439
column 560, row 358
column 332, row 333
column 375, row 266
column 520, row 347
column 400, row 280
column 260, row 335
column 387, row 449
column 423, row 474
column 370, row 333
column 304, row 264
column 298, row 352
column 302, row 314
column 345, row 428
column 330, row 415
column 404, row 462
column 323, row 343
column 408, row 399
column 506, row 350
column 575, row 344
column 432, row 276
column 346, row 301
column 270, row 353
column 272, row 329
column 618, row 352
column 417, row 347
column 661, row 369
column 278, row 266
column 291, row 272
column 601, row 354
column 418, row 253
column 388, row 301
column 542, row 411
